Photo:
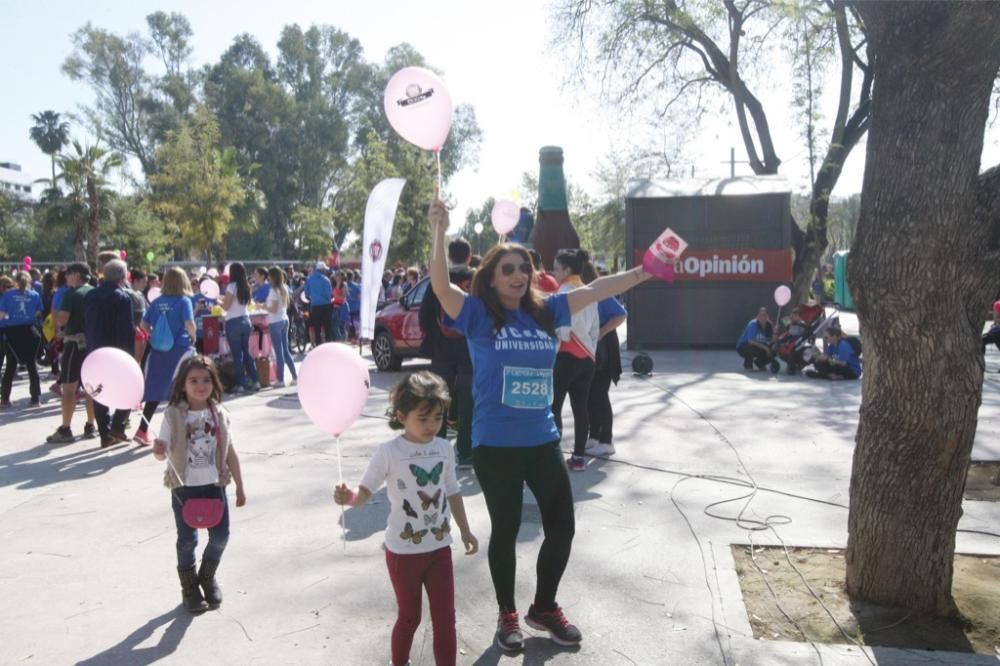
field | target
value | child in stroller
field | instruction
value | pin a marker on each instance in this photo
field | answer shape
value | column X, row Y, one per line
column 795, row 340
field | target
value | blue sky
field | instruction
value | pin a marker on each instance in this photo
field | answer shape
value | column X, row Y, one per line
column 495, row 56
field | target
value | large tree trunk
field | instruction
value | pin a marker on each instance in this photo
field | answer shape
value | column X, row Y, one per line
column 920, row 276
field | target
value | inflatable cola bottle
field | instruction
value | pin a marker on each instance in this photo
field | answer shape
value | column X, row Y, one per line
column 553, row 230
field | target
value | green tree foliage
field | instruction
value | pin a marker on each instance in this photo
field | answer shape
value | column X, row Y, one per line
column 686, row 58
column 134, row 109
column 51, row 134
column 198, row 185
column 86, row 172
column 305, row 128
column 135, row 227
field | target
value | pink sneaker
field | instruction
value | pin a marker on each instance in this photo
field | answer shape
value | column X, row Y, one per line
column 141, row 438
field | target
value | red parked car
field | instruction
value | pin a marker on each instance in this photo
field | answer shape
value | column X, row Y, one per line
column 397, row 329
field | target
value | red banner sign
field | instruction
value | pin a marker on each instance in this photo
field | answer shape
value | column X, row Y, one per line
column 746, row 265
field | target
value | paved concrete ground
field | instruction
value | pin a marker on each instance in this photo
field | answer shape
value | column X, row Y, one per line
column 87, row 559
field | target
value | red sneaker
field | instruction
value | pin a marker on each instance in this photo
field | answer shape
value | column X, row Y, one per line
column 141, row 438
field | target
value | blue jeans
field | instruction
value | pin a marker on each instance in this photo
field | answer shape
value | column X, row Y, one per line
column 238, row 338
column 187, row 536
column 282, row 351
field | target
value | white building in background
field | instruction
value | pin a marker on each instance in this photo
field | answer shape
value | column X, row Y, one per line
column 13, row 181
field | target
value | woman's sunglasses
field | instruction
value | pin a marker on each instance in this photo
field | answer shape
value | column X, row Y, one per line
column 508, row 269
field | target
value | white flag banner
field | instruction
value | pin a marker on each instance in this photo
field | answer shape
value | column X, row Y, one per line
column 380, row 214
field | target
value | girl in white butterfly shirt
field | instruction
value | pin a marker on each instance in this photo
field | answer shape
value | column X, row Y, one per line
column 418, row 469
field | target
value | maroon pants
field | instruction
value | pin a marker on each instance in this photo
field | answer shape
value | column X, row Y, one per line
column 409, row 575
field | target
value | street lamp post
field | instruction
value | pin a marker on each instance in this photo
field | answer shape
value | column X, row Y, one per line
column 479, row 230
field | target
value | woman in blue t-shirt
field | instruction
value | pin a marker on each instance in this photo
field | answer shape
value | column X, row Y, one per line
column 20, row 312
column 174, row 304
column 510, row 330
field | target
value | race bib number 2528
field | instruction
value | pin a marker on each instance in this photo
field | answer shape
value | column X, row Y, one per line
column 527, row 388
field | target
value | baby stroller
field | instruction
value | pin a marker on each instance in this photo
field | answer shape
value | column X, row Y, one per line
column 795, row 344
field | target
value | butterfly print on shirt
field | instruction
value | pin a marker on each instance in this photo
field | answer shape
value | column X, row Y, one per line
column 408, row 509
column 409, row 535
column 424, row 477
column 427, row 500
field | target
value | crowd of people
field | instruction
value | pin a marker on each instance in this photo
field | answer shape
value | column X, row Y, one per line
column 763, row 345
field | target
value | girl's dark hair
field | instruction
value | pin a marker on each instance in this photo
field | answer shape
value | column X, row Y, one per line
column 531, row 302
column 575, row 260
column 420, row 390
column 238, row 276
column 196, row 362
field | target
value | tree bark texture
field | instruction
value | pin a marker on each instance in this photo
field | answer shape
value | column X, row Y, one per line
column 923, row 272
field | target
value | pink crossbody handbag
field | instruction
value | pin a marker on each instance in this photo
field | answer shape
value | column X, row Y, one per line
column 203, row 512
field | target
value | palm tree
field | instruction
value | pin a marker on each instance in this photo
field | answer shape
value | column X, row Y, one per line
column 50, row 135
column 86, row 173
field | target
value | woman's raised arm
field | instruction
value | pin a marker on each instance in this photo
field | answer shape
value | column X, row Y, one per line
column 605, row 287
column 450, row 296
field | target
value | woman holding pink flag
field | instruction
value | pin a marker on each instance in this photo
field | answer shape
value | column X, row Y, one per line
column 510, row 329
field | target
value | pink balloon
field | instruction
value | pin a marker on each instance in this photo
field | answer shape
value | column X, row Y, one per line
column 123, row 255
column 153, row 294
column 209, row 289
column 333, row 387
column 26, row 261
column 418, row 107
column 782, row 295
column 113, row 378
column 505, row 215
column 212, row 273
column 225, row 270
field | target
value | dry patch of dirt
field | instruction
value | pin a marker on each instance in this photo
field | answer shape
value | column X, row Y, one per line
column 976, row 589
column 983, row 482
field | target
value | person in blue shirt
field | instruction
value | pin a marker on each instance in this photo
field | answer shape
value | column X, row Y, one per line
column 839, row 360
column 174, row 304
column 261, row 287
column 510, row 332
column 20, row 312
column 319, row 293
column 754, row 344
column 354, row 300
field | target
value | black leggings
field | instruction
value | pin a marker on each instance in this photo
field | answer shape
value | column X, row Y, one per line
column 148, row 409
column 760, row 357
column 599, row 404
column 573, row 375
column 22, row 347
column 502, row 474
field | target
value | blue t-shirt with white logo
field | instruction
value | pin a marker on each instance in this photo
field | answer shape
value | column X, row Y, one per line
column 177, row 310
column 512, row 374
column 22, row 307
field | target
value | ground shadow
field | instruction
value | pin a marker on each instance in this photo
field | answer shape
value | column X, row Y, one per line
column 35, row 467
column 364, row 521
column 536, row 651
column 177, row 621
column 893, row 627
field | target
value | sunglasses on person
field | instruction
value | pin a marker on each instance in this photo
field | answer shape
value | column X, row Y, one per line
column 508, row 269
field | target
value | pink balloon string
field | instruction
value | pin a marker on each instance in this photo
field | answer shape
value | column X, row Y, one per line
column 340, row 482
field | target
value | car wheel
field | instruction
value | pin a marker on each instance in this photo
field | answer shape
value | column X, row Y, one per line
column 385, row 358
